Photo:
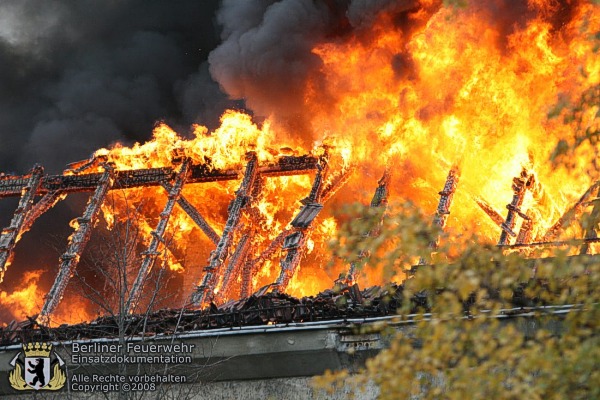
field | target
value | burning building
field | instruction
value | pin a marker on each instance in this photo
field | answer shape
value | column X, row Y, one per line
column 402, row 98
column 386, row 89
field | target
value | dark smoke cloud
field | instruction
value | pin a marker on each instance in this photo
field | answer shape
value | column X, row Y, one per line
column 362, row 13
column 78, row 75
column 266, row 56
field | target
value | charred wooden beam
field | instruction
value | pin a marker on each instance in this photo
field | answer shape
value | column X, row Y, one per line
column 246, row 275
column 526, row 231
column 206, row 290
column 335, row 183
column 571, row 214
column 10, row 235
column 446, row 196
column 44, row 204
column 290, row 165
column 157, row 237
column 294, row 243
column 530, row 219
column 235, row 265
column 380, row 200
column 12, row 185
column 489, row 210
column 556, row 243
column 78, row 167
column 240, row 265
column 443, row 208
column 520, row 186
column 195, row 215
column 77, row 242
column 318, row 184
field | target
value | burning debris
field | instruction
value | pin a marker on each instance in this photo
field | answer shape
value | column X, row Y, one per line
column 520, row 185
column 261, row 308
column 265, row 307
column 443, row 208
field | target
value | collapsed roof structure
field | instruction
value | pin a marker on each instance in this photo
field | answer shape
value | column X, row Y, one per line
column 231, row 264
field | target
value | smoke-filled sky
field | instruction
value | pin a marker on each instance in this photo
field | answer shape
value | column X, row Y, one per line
column 79, row 75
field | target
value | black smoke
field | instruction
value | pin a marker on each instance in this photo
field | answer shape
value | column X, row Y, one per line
column 79, row 75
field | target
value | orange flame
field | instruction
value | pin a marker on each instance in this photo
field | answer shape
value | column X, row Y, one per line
column 25, row 301
column 453, row 90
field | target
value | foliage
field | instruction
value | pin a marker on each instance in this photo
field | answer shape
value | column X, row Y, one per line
column 406, row 239
column 464, row 350
column 583, row 117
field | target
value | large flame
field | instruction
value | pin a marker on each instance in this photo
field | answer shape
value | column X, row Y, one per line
column 25, row 301
column 450, row 90
column 419, row 91
column 452, row 94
